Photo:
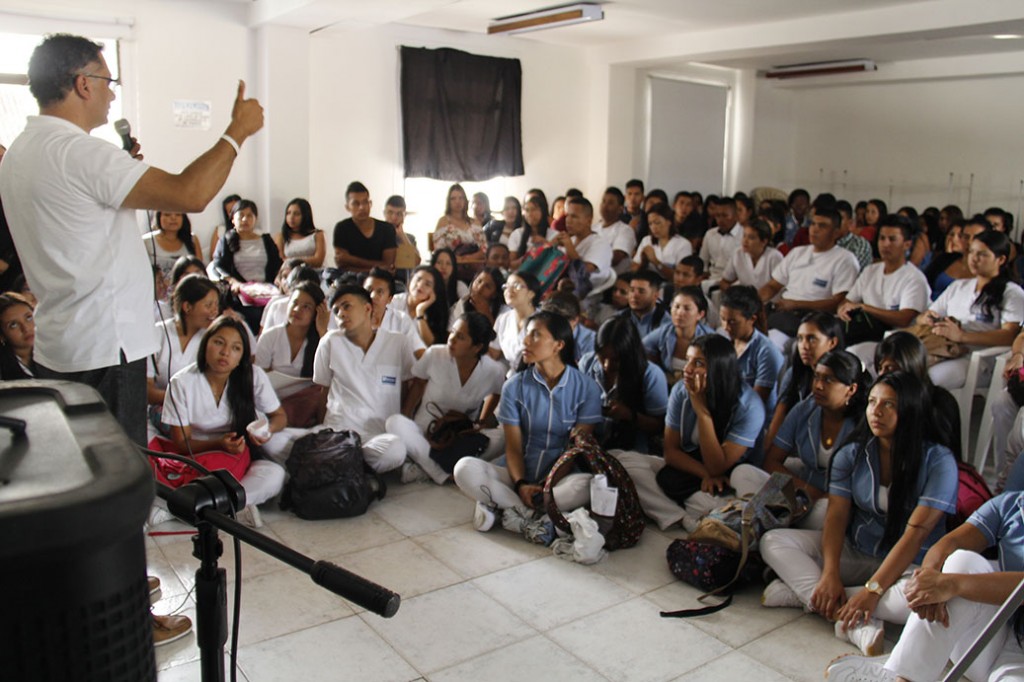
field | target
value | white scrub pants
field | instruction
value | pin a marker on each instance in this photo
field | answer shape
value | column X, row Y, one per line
column 643, row 469
column 1007, row 440
column 417, row 448
column 952, row 374
column 924, row 647
column 490, row 484
column 795, row 556
column 262, row 481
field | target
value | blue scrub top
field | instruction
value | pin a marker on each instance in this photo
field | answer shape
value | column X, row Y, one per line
column 655, row 400
column 744, row 427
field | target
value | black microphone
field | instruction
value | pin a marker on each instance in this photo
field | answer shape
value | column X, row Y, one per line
column 124, row 129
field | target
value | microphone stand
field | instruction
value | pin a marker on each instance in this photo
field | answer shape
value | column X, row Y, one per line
column 205, row 504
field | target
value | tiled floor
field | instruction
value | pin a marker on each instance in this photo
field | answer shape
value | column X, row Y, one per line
column 480, row 607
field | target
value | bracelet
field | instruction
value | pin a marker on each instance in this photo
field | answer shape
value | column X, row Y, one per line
column 421, row 317
column 234, row 145
column 519, row 484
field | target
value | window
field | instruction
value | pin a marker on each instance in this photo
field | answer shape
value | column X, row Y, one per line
column 16, row 102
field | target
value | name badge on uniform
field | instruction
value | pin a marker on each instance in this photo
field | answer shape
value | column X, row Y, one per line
column 388, row 380
column 818, row 282
column 982, row 317
column 894, row 308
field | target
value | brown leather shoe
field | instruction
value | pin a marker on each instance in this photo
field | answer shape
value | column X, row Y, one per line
column 154, row 589
column 167, row 629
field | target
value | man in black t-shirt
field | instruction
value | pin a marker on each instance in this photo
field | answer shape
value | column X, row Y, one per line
column 362, row 243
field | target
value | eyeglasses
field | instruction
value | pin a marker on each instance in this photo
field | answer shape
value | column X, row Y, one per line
column 515, row 286
column 113, row 82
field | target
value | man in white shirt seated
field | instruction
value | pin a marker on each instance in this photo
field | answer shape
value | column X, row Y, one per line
column 362, row 371
column 617, row 233
column 889, row 294
column 581, row 243
column 721, row 243
column 380, row 284
column 811, row 278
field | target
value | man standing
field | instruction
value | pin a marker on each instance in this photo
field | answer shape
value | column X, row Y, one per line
column 362, row 243
column 69, row 198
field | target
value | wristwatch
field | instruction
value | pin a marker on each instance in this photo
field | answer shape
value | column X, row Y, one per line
column 873, row 586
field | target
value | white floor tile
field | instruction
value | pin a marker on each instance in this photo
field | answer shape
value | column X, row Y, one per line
column 403, row 567
column 192, row 672
column 630, row 643
column 342, row 651
column 640, row 568
column 448, row 626
column 284, row 601
column 426, row 510
column 472, row 554
column 799, row 650
column 537, row 658
column 333, row 537
column 743, row 621
column 733, row 666
column 254, row 562
column 552, row 591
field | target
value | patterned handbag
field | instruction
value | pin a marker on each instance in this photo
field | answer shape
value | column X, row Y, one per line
column 547, row 264
column 629, row 521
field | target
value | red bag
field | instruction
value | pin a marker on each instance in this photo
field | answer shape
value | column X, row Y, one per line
column 972, row 493
column 176, row 474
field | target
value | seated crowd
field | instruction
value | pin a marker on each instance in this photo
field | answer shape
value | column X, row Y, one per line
column 706, row 344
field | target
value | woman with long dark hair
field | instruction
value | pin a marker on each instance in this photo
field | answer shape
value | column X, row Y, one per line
column 456, row 376
column 890, row 490
column 290, row 348
column 714, row 421
column 536, row 230
column 455, row 229
column 667, row 345
column 17, row 337
column 760, row 361
column 426, row 303
column 812, row 432
column 954, row 595
column 171, row 240
column 446, row 263
column 244, row 255
column 662, row 249
column 817, row 334
column 227, row 207
column 484, row 297
column 498, row 231
column 634, row 392
column 210, row 407
column 540, row 405
column 299, row 236
column 986, row 310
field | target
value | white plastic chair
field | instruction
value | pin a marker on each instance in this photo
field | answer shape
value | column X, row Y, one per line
column 966, row 393
column 995, row 387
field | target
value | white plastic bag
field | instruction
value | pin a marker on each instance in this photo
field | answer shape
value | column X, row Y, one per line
column 587, row 545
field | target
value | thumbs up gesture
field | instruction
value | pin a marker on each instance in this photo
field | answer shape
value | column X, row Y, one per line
column 246, row 116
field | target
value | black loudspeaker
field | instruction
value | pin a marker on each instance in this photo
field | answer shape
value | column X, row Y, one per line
column 74, row 494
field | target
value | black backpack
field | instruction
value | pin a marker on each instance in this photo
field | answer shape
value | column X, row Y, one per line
column 328, row 478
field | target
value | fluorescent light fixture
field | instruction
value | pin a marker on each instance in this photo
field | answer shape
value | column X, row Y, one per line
column 1007, row 36
column 552, row 17
column 821, row 68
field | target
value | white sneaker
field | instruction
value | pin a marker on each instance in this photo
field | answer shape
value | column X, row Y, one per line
column 854, row 668
column 250, row 516
column 869, row 638
column 483, row 516
column 780, row 595
column 414, row 473
column 158, row 515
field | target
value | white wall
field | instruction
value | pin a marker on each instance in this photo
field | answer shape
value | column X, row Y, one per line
column 355, row 113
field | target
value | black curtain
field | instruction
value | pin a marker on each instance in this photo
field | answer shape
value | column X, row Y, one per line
column 460, row 115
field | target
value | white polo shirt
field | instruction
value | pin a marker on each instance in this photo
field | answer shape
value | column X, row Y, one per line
column 957, row 301
column 622, row 238
column 197, row 408
column 718, row 248
column 742, row 270
column 810, row 276
column 365, row 389
column 668, row 253
column 597, row 251
column 274, row 352
column 83, row 254
column 508, row 338
column 171, row 354
column 905, row 289
column 447, row 392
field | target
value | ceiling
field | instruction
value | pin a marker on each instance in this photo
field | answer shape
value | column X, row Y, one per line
column 905, row 29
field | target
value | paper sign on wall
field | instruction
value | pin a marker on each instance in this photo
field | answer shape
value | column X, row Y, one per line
column 190, row 113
